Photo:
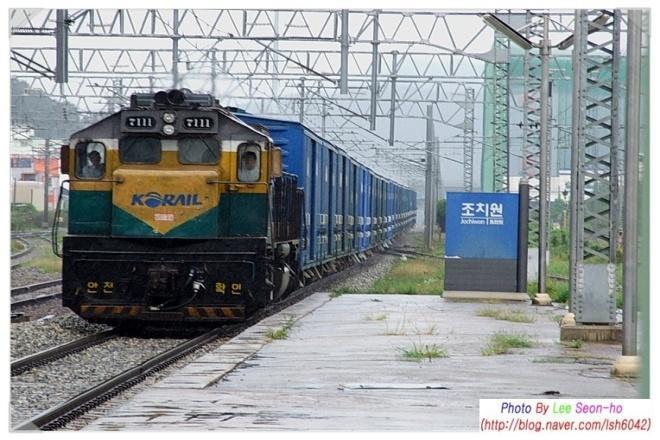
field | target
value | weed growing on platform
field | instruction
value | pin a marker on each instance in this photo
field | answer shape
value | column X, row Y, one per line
column 505, row 314
column 502, row 343
column 430, row 329
column 575, row 343
column 398, row 330
column 282, row 332
column 380, row 317
column 419, row 352
column 340, row 291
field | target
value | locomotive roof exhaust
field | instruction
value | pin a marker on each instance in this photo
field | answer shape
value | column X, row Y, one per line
column 173, row 98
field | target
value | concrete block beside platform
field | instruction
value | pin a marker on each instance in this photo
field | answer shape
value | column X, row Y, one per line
column 485, row 296
column 612, row 334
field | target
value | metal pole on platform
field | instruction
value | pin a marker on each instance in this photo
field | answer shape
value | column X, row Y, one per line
column 631, row 183
column 543, row 160
column 523, row 234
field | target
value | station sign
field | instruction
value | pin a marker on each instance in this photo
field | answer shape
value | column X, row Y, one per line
column 481, row 225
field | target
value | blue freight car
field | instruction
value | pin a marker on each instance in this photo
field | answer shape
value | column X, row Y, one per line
column 348, row 208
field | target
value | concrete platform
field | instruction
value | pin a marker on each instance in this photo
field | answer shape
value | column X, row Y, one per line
column 474, row 295
column 342, row 368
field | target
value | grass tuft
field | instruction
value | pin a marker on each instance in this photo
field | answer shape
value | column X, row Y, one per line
column 430, row 329
column 282, row 332
column 502, row 343
column 575, row 343
column 16, row 246
column 412, row 277
column 419, row 352
column 418, row 276
column 397, row 330
column 505, row 314
column 379, row 317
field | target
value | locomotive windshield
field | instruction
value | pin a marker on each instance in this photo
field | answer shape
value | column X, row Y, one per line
column 139, row 149
column 201, row 150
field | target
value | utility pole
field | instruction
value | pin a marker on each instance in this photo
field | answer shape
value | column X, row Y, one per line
column 175, row 50
column 324, row 113
column 214, row 73
column 46, row 179
column 438, row 181
column 428, row 197
column 374, row 73
column 302, row 100
column 393, row 96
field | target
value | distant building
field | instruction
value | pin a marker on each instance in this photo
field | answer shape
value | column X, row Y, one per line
column 27, row 180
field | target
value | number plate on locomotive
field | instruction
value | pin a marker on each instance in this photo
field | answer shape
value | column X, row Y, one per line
column 140, row 122
column 198, row 122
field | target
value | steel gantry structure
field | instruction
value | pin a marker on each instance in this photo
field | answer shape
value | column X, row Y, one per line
column 333, row 68
column 320, row 65
column 531, row 123
column 595, row 171
column 500, row 121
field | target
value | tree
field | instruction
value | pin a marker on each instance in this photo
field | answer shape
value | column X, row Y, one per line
column 49, row 118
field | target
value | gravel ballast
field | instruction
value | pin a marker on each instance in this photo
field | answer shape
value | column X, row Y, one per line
column 44, row 387
column 35, row 336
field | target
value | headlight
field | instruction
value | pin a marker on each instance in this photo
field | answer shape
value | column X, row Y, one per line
column 168, row 130
column 168, row 117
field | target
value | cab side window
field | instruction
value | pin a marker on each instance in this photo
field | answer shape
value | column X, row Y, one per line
column 90, row 160
column 249, row 162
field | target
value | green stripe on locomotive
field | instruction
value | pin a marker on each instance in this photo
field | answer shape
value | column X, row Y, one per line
column 238, row 214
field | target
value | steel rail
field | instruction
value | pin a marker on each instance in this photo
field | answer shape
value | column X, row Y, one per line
column 33, row 287
column 24, row 252
column 59, row 415
column 34, row 300
column 47, row 356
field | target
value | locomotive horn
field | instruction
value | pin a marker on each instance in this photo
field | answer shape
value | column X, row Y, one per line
column 175, row 97
column 161, row 97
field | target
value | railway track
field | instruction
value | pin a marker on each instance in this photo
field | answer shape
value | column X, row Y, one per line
column 61, row 414
column 27, row 249
column 47, row 356
column 58, row 416
column 26, row 299
column 19, row 258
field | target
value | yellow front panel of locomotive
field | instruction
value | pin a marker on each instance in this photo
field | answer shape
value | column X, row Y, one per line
column 165, row 199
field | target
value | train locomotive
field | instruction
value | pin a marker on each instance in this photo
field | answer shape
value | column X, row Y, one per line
column 184, row 211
